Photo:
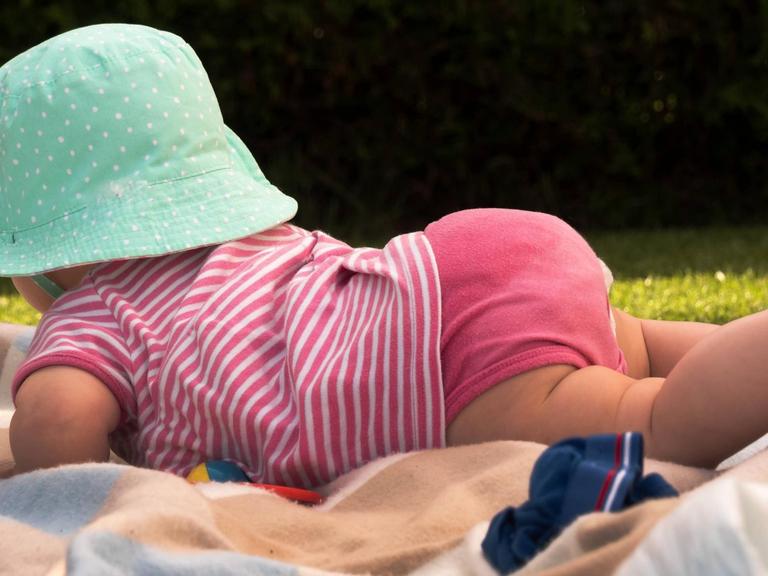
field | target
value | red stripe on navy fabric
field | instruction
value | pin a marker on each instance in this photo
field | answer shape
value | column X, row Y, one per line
column 605, row 487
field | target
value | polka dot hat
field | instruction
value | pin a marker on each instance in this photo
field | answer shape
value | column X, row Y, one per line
column 112, row 146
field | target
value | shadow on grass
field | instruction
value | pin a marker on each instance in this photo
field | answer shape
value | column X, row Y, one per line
column 640, row 253
column 6, row 288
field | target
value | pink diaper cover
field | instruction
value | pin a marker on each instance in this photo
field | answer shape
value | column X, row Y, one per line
column 520, row 290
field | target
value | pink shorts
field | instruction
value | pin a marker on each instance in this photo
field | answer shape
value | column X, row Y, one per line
column 520, row 290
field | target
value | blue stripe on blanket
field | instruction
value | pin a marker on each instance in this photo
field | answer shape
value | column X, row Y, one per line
column 59, row 501
column 23, row 339
column 96, row 553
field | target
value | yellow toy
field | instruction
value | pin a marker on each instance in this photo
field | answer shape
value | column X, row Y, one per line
column 223, row 471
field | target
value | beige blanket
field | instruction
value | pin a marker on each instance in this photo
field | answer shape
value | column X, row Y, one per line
column 394, row 516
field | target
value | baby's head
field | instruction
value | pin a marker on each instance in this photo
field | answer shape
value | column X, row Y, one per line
column 112, row 146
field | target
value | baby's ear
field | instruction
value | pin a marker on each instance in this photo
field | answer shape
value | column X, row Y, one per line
column 33, row 294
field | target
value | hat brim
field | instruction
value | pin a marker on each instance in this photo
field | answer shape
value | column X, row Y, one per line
column 153, row 219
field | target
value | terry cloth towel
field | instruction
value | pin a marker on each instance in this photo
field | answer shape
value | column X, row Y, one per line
column 602, row 473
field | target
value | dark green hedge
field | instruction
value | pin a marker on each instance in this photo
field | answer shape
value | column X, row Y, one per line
column 382, row 115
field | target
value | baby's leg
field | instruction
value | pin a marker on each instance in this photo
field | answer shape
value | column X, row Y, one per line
column 551, row 403
column 713, row 403
column 715, row 400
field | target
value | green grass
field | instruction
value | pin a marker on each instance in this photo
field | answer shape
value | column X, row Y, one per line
column 710, row 275
column 698, row 296
column 637, row 254
column 13, row 308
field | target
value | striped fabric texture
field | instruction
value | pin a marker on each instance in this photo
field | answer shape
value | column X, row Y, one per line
column 287, row 352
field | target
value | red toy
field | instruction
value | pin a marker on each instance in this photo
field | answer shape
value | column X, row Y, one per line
column 223, row 471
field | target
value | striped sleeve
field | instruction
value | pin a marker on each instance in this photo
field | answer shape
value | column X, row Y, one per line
column 79, row 331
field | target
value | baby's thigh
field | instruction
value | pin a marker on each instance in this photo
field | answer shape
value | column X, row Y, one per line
column 509, row 410
column 556, row 402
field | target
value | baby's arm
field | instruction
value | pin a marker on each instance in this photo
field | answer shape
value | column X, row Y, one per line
column 63, row 415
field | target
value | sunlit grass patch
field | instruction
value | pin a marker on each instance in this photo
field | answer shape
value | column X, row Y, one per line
column 706, row 297
column 14, row 309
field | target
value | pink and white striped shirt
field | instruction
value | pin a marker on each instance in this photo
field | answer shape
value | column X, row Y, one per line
column 287, row 352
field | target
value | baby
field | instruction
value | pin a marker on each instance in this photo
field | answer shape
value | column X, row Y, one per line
column 185, row 320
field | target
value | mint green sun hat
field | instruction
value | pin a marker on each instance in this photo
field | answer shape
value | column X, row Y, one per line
column 112, row 146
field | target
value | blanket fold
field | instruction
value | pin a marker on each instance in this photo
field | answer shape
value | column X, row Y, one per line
column 392, row 516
